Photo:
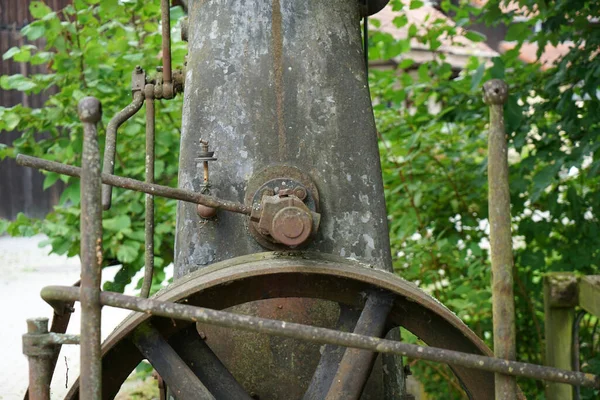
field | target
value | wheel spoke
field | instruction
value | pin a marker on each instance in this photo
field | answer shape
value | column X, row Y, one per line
column 206, row 365
column 355, row 367
column 331, row 357
column 182, row 381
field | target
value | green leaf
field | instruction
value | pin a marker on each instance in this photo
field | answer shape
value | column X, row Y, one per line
column 518, row 31
column 414, row 4
column 475, row 36
column 128, row 251
column 117, row 223
column 34, row 31
column 39, row 9
column 11, row 52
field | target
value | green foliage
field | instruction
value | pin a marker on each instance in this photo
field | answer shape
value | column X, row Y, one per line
column 432, row 124
column 91, row 49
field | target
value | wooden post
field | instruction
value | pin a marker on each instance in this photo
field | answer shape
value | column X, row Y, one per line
column 560, row 299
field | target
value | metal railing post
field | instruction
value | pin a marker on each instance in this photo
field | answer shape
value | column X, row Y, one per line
column 91, row 252
column 503, row 305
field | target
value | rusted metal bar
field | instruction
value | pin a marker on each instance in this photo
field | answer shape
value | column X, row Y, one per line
column 110, row 149
column 90, row 113
column 39, row 357
column 60, row 323
column 314, row 334
column 356, row 365
column 166, row 49
column 182, row 381
column 331, row 356
column 495, row 93
column 149, row 217
column 206, row 365
column 139, row 186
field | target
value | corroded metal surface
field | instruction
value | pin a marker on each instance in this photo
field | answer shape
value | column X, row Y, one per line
column 356, row 365
column 281, row 82
column 495, row 93
column 39, row 357
column 274, row 276
column 90, row 113
column 110, row 151
column 149, row 198
column 181, row 380
column 139, row 186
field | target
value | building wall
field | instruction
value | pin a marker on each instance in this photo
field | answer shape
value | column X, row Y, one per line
column 21, row 188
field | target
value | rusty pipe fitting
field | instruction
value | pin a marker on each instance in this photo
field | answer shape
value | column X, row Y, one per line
column 39, row 357
column 205, row 156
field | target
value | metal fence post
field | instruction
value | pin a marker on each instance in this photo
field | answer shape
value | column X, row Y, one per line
column 503, row 305
column 90, row 113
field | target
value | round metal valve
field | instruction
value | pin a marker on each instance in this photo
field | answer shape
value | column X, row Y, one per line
column 291, row 226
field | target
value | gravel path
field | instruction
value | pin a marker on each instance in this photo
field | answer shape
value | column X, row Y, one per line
column 24, row 270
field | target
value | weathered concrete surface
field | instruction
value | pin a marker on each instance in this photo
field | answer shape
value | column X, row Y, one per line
column 280, row 82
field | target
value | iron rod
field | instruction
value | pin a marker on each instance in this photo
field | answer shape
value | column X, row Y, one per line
column 206, row 365
column 356, row 365
column 110, row 149
column 503, row 305
column 90, row 114
column 166, row 49
column 149, row 198
column 325, row 336
column 39, row 357
column 182, row 381
column 139, row 186
column 331, row 356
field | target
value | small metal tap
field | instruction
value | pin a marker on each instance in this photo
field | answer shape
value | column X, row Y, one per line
column 205, row 156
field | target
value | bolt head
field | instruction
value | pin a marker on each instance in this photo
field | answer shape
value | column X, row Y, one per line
column 291, row 226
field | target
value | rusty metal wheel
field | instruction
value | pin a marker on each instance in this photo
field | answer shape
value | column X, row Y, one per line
column 253, row 281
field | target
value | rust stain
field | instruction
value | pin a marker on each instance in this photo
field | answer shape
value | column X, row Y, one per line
column 277, row 22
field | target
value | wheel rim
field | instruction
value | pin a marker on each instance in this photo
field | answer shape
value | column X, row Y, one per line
column 304, row 275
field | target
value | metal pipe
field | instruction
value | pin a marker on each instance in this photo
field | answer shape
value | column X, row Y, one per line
column 495, row 93
column 110, row 147
column 325, row 336
column 166, row 49
column 149, row 216
column 39, row 357
column 90, row 113
column 182, row 381
column 139, row 186
column 356, row 365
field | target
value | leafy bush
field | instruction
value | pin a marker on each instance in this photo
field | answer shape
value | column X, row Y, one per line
column 91, row 48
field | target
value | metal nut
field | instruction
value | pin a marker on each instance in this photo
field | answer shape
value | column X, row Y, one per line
column 300, row 193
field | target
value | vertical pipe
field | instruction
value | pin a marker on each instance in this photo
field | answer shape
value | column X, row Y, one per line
column 91, row 251
column 166, row 49
column 503, row 306
column 149, row 231
column 39, row 357
column 110, row 149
